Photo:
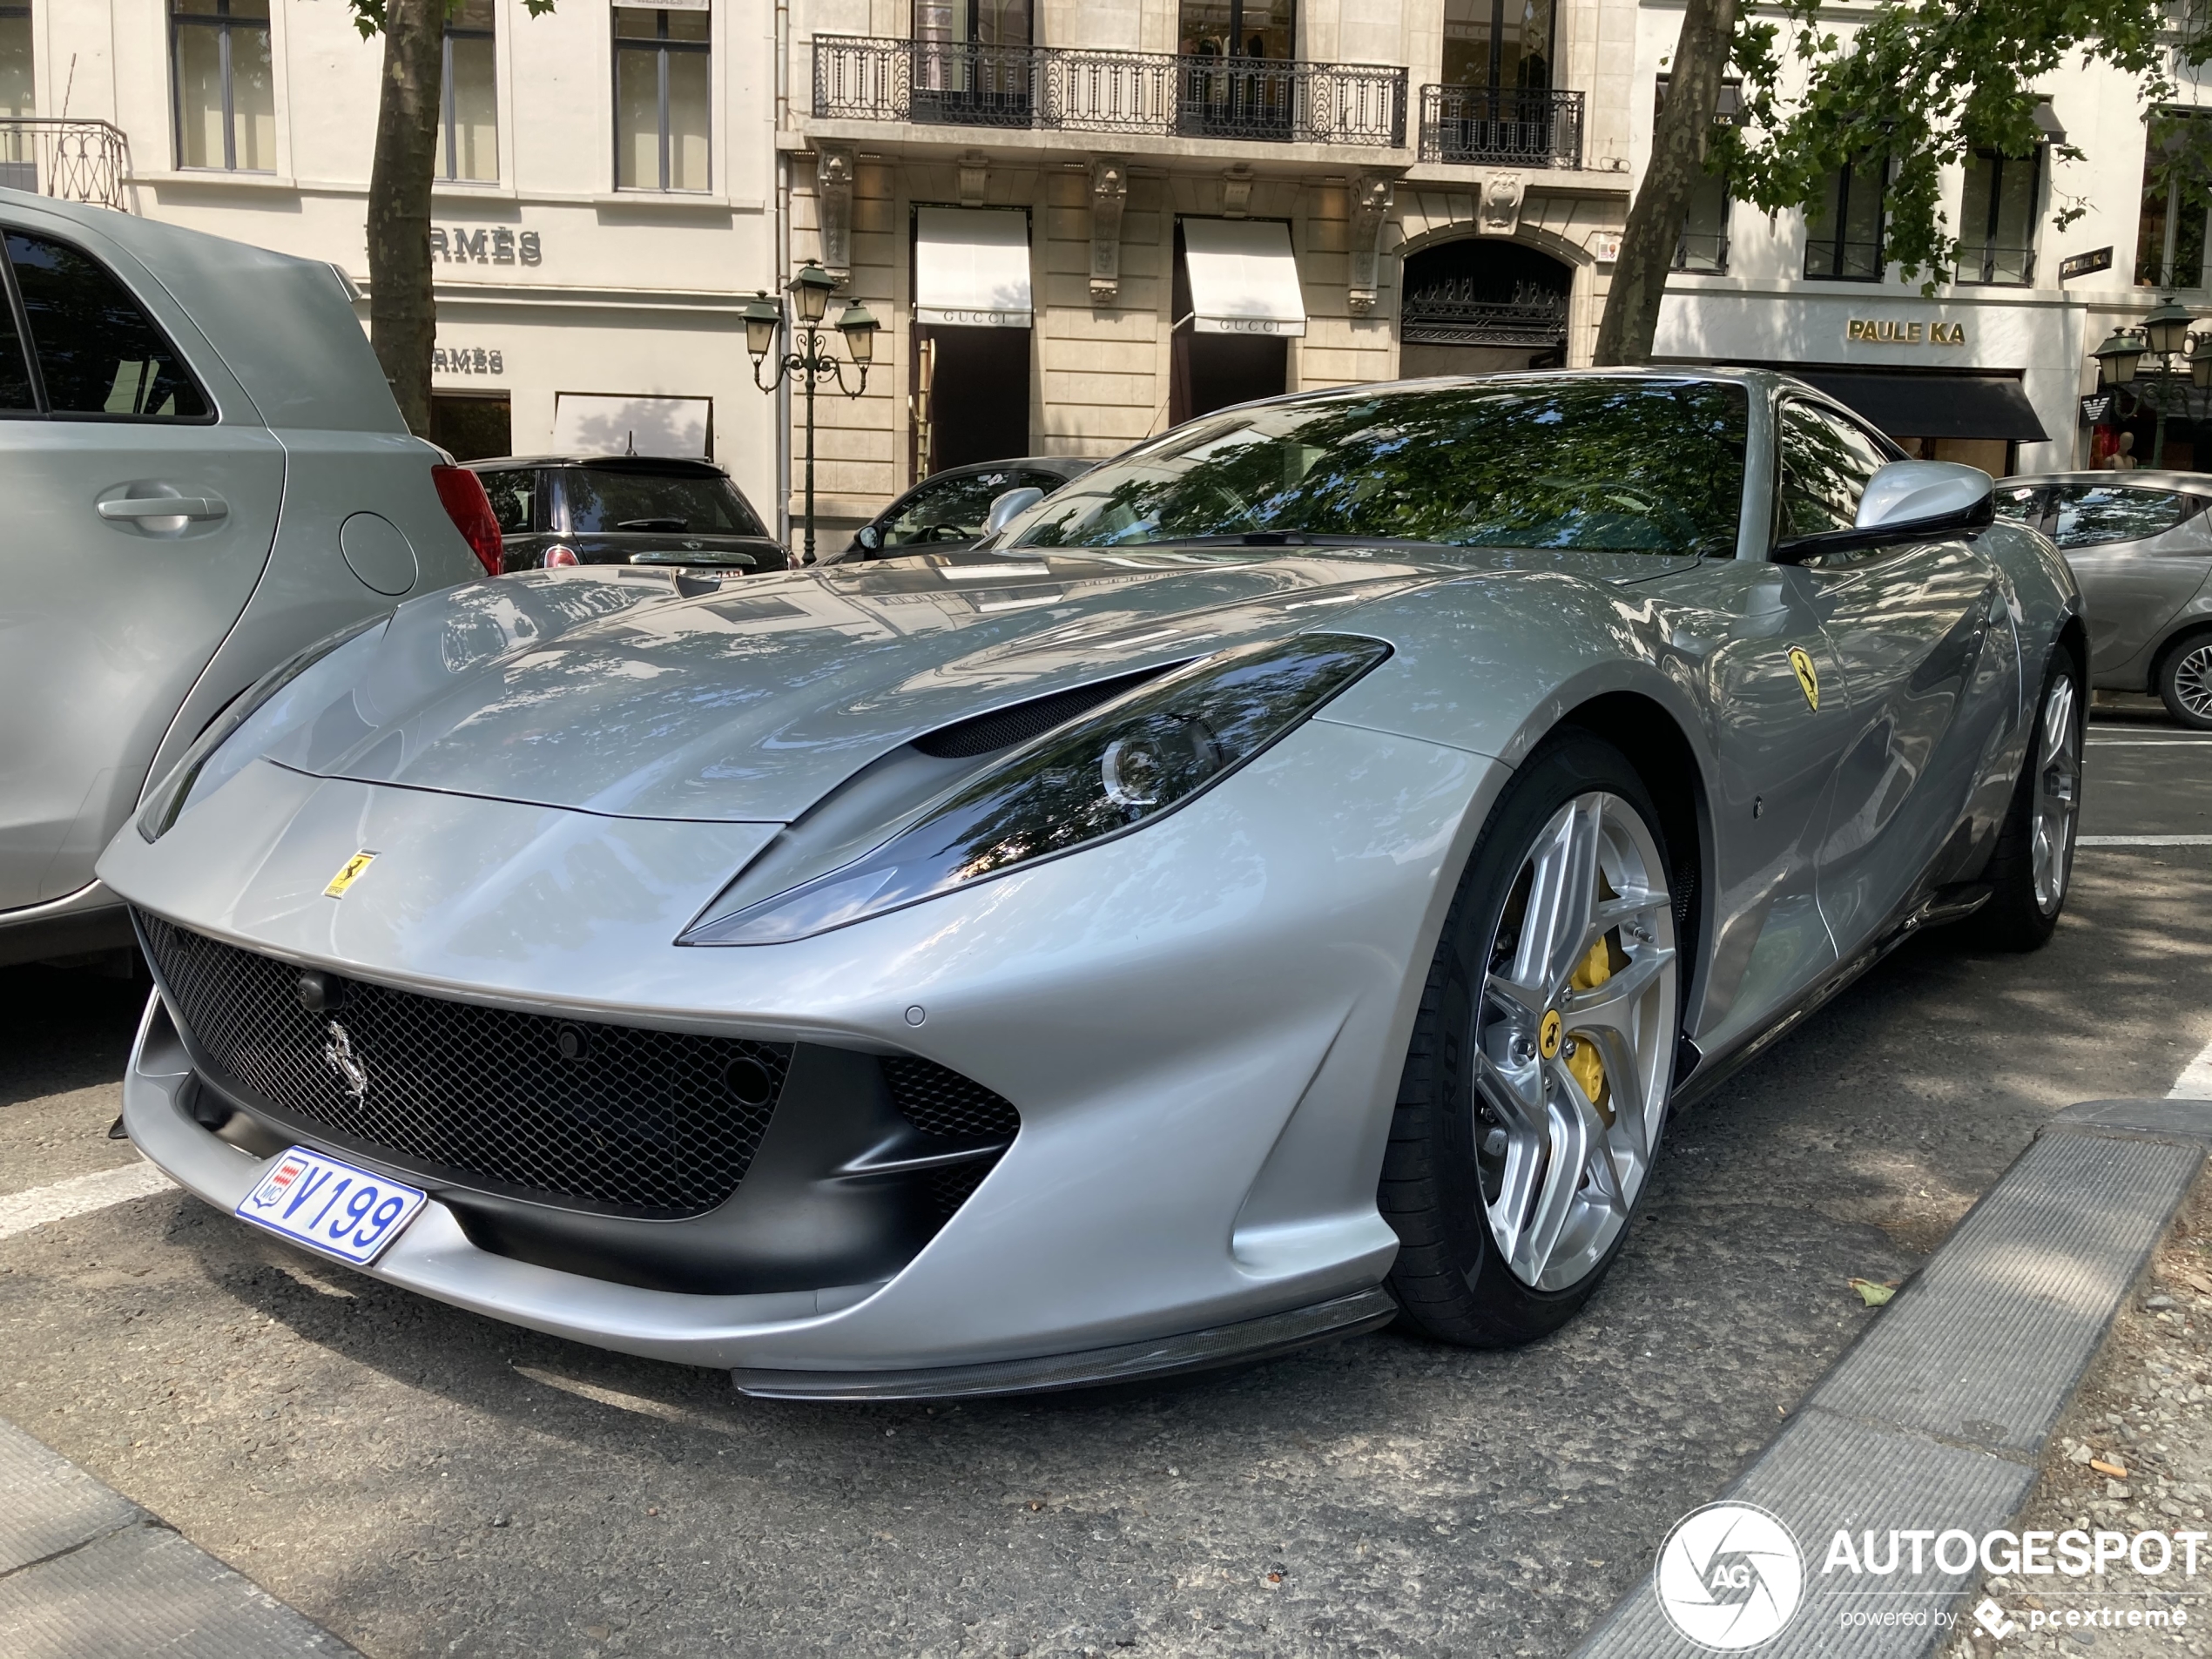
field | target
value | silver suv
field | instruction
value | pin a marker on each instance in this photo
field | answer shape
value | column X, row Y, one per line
column 202, row 471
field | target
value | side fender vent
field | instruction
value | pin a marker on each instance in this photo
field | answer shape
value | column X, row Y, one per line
column 1003, row 728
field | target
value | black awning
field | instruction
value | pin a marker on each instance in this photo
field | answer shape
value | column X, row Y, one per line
column 1935, row 406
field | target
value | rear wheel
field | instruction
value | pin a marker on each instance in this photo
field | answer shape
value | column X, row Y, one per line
column 2185, row 682
column 2032, row 864
column 1536, row 1082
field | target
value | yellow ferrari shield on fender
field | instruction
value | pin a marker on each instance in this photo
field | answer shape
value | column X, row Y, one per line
column 1808, row 677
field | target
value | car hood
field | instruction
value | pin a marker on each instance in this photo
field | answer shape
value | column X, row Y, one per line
column 629, row 692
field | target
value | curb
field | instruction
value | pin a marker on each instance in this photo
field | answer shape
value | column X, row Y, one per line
column 86, row 1574
column 1939, row 1413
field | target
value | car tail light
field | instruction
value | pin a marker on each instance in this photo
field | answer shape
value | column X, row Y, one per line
column 559, row 557
column 470, row 508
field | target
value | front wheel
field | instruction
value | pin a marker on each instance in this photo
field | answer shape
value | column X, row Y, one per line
column 2032, row 864
column 1536, row 1082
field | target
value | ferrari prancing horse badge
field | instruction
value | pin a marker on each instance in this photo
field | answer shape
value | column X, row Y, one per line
column 348, row 872
column 1808, row 679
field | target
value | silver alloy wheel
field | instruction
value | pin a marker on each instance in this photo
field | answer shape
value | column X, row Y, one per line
column 1560, row 1170
column 2058, row 792
column 2193, row 680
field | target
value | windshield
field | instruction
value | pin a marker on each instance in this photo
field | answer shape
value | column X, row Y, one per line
column 1610, row 464
column 607, row 499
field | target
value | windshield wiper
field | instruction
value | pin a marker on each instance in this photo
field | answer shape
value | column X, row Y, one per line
column 651, row 524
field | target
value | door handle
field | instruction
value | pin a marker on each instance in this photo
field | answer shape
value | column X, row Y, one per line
column 131, row 508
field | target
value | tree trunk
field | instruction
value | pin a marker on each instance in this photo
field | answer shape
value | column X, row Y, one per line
column 402, row 317
column 1678, row 139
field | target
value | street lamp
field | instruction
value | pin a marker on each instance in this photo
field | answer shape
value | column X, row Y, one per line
column 2165, row 334
column 810, row 366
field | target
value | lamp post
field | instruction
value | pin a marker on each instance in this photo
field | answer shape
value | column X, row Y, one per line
column 810, row 366
column 2165, row 334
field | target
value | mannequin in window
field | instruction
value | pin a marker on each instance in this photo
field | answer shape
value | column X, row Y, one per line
column 2123, row 458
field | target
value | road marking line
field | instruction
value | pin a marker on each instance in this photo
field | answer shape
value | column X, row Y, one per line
column 21, row 1212
column 2148, row 742
column 2143, row 840
column 2195, row 1081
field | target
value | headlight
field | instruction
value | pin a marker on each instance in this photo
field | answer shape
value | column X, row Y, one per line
column 1117, row 768
column 201, row 772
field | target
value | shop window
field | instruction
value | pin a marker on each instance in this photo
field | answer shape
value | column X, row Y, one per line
column 225, row 86
column 1997, row 219
column 469, row 106
column 1843, row 228
column 661, row 98
column 471, row 426
column 1703, row 246
column 2169, row 235
column 18, row 167
column 1247, row 100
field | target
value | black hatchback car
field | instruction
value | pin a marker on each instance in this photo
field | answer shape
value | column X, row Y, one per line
column 945, row 509
column 623, row 509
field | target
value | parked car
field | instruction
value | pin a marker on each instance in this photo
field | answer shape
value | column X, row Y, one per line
column 204, row 471
column 947, row 509
column 558, row 510
column 1276, row 886
column 2141, row 546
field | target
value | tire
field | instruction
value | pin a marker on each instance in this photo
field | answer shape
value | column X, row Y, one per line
column 1508, row 1216
column 2185, row 681
column 2031, row 866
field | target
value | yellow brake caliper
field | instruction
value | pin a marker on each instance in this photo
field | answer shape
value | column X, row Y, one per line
column 1581, row 1053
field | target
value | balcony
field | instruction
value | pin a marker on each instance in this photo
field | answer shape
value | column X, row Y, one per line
column 1077, row 89
column 77, row 161
column 1490, row 125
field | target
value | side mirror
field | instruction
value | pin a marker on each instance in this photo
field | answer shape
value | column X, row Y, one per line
column 1007, row 507
column 1931, row 495
column 870, row 537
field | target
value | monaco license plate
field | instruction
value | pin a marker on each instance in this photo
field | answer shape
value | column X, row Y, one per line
column 316, row 1200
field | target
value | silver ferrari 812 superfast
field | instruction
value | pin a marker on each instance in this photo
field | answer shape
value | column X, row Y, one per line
column 1275, row 885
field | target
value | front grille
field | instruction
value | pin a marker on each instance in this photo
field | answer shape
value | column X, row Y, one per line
column 938, row 1101
column 659, row 1122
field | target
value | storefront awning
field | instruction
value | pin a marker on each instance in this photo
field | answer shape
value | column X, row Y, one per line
column 1243, row 277
column 1935, row 406
column 971, row 267
column 591, row 424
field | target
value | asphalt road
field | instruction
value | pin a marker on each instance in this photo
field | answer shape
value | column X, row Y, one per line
column 424, row 1482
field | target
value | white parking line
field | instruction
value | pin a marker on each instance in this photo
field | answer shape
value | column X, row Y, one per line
column 2143, row 840
column 2195, row 1081
column 21, row 1212
column 2148, row 742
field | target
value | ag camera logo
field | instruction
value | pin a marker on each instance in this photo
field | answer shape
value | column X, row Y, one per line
column 1730, row 1577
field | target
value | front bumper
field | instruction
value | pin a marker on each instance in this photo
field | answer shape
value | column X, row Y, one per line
column 1202, row 1026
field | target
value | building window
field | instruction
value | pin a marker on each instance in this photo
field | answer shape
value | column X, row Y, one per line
column 1703, row 246
column 2169, row 236
column 660, row 99
column 1997, row 219
column 1843, row 229
column 18, row 167
column 469, row 106
column 226, row 89
column 1498, row 43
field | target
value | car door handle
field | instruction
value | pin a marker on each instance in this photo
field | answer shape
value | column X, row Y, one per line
column 131, row 507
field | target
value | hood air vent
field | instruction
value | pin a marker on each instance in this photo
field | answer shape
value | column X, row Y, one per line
column 1003, row 728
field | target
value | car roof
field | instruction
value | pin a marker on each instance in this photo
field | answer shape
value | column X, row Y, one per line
column 690, row 466
column 2197, row 483
column 284, row 328
column 1066, row 466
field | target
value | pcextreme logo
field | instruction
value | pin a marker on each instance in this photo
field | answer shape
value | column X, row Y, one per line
column 1729, row 1576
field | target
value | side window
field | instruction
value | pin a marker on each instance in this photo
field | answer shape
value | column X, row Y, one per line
column 98, row 353
column 2020, row 504
column 2091, row 515
column 512, row 495
column 15, row 393
column 1825, row 465
column 1048, row 482
column 950, row 511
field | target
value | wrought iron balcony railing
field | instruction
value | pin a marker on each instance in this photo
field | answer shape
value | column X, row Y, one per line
column 1081, row 90
column 1521, row 127
column 77, row 161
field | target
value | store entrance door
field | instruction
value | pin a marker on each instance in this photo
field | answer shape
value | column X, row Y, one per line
column 974, row 405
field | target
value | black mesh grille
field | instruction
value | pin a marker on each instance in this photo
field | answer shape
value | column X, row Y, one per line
column 662, row 1122
column 938, row 1101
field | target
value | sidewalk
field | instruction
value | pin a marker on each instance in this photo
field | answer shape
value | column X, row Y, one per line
column 85, row 1573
